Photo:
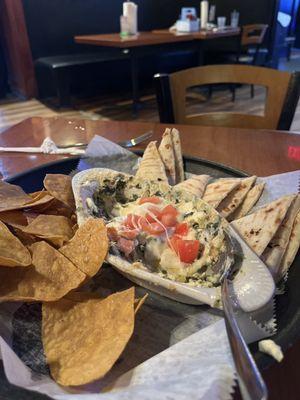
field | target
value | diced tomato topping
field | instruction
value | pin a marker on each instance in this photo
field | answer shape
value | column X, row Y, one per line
column 129, row 233
column 154, row 228
column 153, row 200
column 173, row 243
column 126, row 246
column 187, row 250
column 112, row 234
column 168, row 220
column 182, row 229
column 169, row 209
column 132, row 221
column 156, row 212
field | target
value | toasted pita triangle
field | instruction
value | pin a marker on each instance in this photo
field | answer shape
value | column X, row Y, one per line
column 217, row 191
column 250, row 200
column 235, row 198
column 292, row 248
column 258, row 228
column 274, row 252
column 166, row 152
column 151, row 167
column 178, row 155
column 195, row 185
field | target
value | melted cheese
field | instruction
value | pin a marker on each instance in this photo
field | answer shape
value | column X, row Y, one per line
column 204, row 226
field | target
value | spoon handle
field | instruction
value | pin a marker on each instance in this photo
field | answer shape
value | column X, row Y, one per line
column 251, row 383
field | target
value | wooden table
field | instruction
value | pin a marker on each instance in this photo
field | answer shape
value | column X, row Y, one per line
column 203, row 34
column 256, row 152
column 152, row 42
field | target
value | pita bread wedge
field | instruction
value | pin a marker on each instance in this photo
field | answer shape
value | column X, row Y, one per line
column 291, row 250
column 151, row 167
column 166, row 152
column 235, row 198
column 217, row 191
column 249, row 202
column 195, row 185
column 178, row 155
column 274, row 252
column 258, row 228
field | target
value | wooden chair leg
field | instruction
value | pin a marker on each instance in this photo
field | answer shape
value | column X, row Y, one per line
column 232, row 89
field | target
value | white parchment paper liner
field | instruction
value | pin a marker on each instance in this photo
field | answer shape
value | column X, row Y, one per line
column 199, row 366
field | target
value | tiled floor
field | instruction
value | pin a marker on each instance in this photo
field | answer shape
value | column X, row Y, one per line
column 119, row 108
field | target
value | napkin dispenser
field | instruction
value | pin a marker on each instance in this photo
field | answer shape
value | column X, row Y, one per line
column 130, row 15
column 188, row 21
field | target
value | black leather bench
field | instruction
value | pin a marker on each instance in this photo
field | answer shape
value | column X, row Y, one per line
column 59, row 67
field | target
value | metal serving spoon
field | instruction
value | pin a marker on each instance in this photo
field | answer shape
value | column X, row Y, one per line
column 251, row 383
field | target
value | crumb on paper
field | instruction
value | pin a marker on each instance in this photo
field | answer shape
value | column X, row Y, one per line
column 271, row 348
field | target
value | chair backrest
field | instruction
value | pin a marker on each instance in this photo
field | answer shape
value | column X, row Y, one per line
column 283, row 90
column 253, row 34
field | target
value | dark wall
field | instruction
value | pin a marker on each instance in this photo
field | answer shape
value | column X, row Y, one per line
column 52, row 24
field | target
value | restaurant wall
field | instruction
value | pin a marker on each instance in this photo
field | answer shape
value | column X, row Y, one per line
column 52, row 25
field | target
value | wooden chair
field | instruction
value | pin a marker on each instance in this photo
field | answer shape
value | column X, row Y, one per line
column 248, row 50
column 283, row 90
column 252, row 38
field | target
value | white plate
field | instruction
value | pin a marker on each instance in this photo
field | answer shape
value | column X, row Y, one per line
column 253, row 285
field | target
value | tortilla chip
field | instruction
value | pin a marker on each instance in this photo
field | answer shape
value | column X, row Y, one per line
column 83, row 340
column 249, row 202
column 291, row 250
column 12, row 252
column 12, row 196
column 178, row 155
column 151, row 167
column 78, row 297
column 14, row 218
column 167, row 155
column 50, row 277
column 60, row 187
column 235, row 198
column 25, row 238
column 55, row 207
column 37, row 202
column 258, row 228
column 54, row 228
column 195, row 185
column 274, row 252
column 217, row 191
column 88, row 248
column 139, row 302
column 39, row 195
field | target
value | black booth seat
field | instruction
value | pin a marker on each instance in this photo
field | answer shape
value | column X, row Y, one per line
column 59, row 68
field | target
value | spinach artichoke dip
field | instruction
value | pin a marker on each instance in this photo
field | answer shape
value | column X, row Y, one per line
column 156, row 227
